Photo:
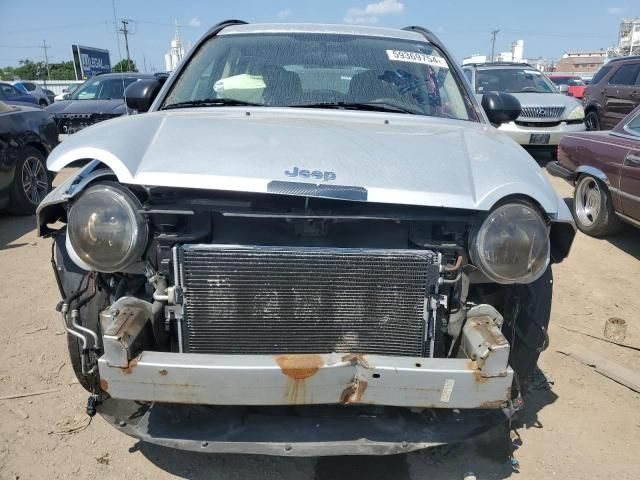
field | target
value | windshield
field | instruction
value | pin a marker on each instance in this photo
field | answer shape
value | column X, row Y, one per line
column 571, row 81
column 102, row 88
column 321, row 71
column 513, row 80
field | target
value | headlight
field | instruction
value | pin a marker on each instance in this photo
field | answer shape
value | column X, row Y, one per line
column 577, row 113
column 106, row 228
column 511, row 245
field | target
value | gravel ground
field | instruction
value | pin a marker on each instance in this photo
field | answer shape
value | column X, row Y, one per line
column 579, row 424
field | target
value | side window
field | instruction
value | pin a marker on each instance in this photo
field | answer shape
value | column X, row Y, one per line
column 634, row 125
column 469, row 75
column 626, row 75
column 29, row 86
column 600, row 75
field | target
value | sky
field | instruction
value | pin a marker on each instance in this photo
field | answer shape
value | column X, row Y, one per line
column 548, row 27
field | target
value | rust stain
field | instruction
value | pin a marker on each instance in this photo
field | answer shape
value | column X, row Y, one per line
column 104, row 385
column 356, row 359
column 477, row 374
column 298, row 368
column 492, row 404
column 354, row 392
column 128, row 370
column 163, row 372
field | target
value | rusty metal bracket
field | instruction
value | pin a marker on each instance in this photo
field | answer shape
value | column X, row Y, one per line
column 123, row 324
column 483, row 342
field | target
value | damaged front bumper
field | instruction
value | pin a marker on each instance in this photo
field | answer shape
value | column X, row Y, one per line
column 306, row 404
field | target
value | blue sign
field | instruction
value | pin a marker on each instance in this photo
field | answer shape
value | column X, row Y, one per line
column 89, row 61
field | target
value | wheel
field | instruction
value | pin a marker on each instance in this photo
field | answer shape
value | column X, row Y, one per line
column 70, row 278
column 593, row 208
column 43, row 103
column 31, row 182
column 592, row 120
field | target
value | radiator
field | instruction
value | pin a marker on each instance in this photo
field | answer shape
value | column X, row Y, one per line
column 273, row 300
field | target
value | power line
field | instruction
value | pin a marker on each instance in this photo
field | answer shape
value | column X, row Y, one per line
column 125, row 31
column 493, row 44
column 46, row 60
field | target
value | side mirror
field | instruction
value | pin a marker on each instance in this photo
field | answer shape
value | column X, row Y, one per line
column 501, row 107
column 66, row 96
column 563, row 88
column 141, row 93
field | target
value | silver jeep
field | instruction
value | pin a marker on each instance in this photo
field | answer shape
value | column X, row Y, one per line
column 314, row 243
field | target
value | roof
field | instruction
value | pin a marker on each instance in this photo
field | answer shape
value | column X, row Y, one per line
column 323, row 28
column 580, row 60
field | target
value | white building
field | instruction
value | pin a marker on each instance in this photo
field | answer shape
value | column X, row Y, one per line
column 173, row 57
column 629, row 37
column 516, row 55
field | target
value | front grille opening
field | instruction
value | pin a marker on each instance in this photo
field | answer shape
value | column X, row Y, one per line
column 274, row 300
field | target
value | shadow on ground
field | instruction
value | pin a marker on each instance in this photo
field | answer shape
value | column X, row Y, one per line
column 12, row 228
column 488, row 456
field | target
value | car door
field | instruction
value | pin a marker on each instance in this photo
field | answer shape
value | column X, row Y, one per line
column 630, row 175
column 16, row 95
column 620, row 95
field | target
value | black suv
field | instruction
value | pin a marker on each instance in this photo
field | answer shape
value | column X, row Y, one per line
column 613, row 93
column 99, row 98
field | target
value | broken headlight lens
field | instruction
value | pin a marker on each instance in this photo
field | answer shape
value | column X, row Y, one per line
column 106, row 228
column 512, row 245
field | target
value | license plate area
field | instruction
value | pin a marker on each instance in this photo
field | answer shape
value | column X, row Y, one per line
column 539, row 139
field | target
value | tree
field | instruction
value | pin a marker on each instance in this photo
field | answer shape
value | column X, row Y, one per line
column 62, row 71
column 125, row 65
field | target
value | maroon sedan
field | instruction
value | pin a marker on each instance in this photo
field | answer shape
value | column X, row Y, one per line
column 604, row 166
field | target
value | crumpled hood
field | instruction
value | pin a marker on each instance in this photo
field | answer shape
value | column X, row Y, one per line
column 411, row 160
column 115, row 106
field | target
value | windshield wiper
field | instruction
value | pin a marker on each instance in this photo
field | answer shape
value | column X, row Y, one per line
column 370, row 106
column 212, row 102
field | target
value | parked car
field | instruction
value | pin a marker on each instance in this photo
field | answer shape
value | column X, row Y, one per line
column 570, row 84
column 33, row 89
column 605, row 169
column 546, row 115
column 50, row 95
column 99, row 98
column 67, row 91
column 613, row 93
column 314, row 243
column 11, row 95
column 27, row 135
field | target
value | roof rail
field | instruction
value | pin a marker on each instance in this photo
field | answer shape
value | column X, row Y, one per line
column 620, row 59
column 498, row 64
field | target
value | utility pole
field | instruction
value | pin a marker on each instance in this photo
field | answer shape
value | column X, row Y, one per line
column 125, row 32
column 493, row 44
column 45, row 47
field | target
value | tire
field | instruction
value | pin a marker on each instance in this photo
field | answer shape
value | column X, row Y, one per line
column 592, row 120
column 592, row 208
column 43, row 103
column 70, row 278
column 31, row 182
